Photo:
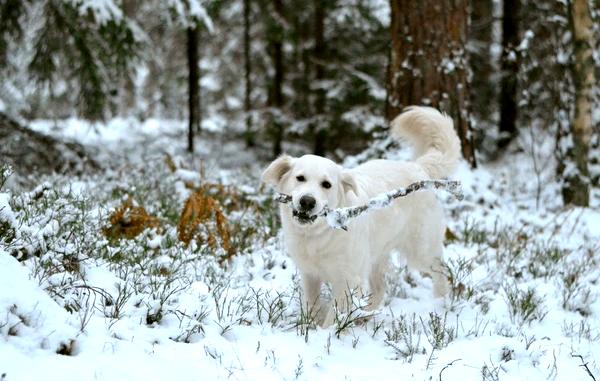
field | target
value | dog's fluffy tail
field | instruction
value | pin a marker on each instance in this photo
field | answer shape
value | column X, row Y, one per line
column 431, row 133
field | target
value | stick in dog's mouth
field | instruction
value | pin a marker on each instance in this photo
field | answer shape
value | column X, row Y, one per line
column 337, row 218
column 304, row 218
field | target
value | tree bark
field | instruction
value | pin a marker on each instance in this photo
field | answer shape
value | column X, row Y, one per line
column 509, row 71
column 576, row 186
column 193, row 36
column 320, row 133
column 428, row 62
column 247, row 72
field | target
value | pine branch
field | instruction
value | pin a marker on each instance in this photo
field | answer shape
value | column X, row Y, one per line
column 338, row 218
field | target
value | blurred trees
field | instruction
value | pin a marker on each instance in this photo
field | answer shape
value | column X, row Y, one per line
column 276, row 30
column 323, row 75
column 76, row 52
column 247, row 76
column 191, row 15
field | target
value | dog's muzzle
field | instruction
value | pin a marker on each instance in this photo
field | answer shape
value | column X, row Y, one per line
column 304, row 213
column 303, row 217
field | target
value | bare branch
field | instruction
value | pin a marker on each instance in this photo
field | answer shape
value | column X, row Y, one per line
column 584, row 365
column 338, row 218
column 447, row 366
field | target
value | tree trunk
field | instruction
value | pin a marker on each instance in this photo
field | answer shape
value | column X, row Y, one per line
column 576, row 186
column 481, row 39
column 428, row 62
column 193, row 33
column 247, row 71
column 320, row 133
column 275, row 100
column 509, row 71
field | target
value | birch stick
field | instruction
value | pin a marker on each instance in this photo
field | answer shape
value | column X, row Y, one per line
column 338, row 218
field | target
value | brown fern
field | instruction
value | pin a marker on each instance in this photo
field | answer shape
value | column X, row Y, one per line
column 202, row 210
column 128, row 221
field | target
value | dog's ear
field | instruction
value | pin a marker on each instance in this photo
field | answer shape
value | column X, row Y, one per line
column 277, row 169
column 348, row 182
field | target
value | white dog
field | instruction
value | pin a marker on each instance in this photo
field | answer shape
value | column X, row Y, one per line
column 412, row 225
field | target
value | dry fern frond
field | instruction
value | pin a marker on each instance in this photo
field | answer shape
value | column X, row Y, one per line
column 200, row 209
column 128, row 221
column 197, row 209
column 223, row 230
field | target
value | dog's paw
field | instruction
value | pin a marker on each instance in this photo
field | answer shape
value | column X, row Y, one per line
column 329, row 318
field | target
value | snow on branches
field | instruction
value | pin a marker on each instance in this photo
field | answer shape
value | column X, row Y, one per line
column 338, row 218
column 188, row 12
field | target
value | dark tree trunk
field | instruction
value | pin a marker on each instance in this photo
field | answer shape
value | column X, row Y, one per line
column 428, row 62
column 276, row 93
column 320, row 135
column 305, row 36
column 509, row 71
column 247, row 71
column 193, row 36
column 481, row 39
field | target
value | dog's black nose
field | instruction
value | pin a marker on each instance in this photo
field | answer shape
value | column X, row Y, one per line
column 307, row 202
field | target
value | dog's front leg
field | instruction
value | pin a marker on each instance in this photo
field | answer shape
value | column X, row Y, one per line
column 343, row 291
column 311, row 297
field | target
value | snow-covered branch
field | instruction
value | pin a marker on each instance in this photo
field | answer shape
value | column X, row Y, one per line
column 338, row 218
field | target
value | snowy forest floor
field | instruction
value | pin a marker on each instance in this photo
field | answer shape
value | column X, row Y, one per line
column 80, row 301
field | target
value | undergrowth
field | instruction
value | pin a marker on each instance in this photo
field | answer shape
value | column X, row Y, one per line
column 171, row 239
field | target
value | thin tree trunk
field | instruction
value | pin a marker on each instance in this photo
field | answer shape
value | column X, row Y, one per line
column 275, row 99
column 509, row 71
column 428, row 62
column 320, row 135
column 247, row 71
column 481, row 39
column 193, row 33
column 576, row 187
column 129, row 97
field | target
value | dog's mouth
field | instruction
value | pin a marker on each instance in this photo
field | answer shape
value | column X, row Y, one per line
column 303, row 217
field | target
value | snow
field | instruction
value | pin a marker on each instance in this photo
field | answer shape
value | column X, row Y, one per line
column 103, row 10
column 6, row 213
column 190, row 9
column 116, row 131
column 31, row 321
column 241, row 321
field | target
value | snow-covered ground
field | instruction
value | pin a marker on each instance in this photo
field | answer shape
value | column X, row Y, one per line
column 77, row 303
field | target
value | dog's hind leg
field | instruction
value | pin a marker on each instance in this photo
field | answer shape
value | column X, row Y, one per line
column 426, row 255
column 377, row 282
column 429, row 261
column 440, row 281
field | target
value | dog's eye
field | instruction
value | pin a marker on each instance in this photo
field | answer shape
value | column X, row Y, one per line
column 300, row 178
column 326, row 184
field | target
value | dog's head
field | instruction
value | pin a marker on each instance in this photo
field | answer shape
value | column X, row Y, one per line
column 313, row 182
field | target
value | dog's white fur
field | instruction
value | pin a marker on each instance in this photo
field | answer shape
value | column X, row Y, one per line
column 413, row 226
